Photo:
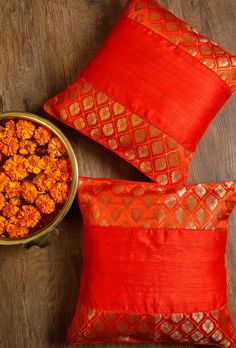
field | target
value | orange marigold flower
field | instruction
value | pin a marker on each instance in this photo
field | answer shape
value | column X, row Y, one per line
column 2, row 201
column 27, row 147
column 59, row 192
column 63, row 170
column 42, row 135
column 45, row 204
column 58, row 169
column 14, row 229
column 56, row 148
column 16, row 167
column 28, row 216
column 11, row 128
column 29, row 191
column 2, row 225
column 11, row 208
column 35, row 164
column 13, row 189
column 25, row 129
column 4, row 179
column 44, row 182
column 50, row 164
column 9, row 131
column 9, row 146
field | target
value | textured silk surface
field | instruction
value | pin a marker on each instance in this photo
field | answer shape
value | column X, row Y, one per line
column 132, row 97
column 155, row 17
column 153, row 264
column 158, row 81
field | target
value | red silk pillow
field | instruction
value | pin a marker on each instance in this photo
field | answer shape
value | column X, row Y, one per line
column 151, row 91
column 153, row 263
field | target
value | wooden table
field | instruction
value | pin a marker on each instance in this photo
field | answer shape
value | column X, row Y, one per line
column 44, row 44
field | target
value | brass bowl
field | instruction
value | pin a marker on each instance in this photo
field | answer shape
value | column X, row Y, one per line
column 42, row 237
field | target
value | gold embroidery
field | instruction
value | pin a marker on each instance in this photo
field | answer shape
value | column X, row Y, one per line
column 79, row 123
column 170, row 202
column 197, row 336
column 176, row 336
column 117, row 189
column 63, row 115
column 118, row 109
column 166, row 327
column 94, row 211
column 154, row 16
column 122, row 326
column 180, row 215
column 138, row 191
column 162, row 179
column 223, row 62
column 129, row 154
column 136, row 121
column 112, row 144
column 74, row 109
column 108, row 129
column 187, row 326
column 154, row 132
column 125, row 140
column 212, row 202
column 157, row 147
column 205, row 50
column 174, row 159
column 217, row 336
column 200, row 190
column 179, row 327
column 220, row 191
column 143, row 151
column 158, row 215
column 101, row 98
column 176, row 175
column 139, row 136
column 104, row 113
column 208, row 326
column 160, row 163
column 88, row 103
column 146, row 167
column 91, row 119
column 190, row 202
column 99, row 325
column 176, row 318
column 197, row 316
column 121, row 124
column 172, row 144
column 96, row 133
column 201, row 216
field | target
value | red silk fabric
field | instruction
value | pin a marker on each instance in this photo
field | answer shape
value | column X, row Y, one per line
column 139, row 270
column 153, row 264
column 158, row 81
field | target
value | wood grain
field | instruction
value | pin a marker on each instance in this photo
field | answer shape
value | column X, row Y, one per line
column 44, row 44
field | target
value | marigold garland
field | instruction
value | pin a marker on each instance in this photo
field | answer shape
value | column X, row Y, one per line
column 35, row 177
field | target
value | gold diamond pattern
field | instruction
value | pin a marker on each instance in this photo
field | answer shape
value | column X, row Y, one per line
column 146, row 147
column 164, row 23
column 102, row 326
column 147, row 205
column 208, row 326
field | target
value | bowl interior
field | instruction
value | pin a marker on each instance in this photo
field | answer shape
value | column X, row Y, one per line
column 42, row 232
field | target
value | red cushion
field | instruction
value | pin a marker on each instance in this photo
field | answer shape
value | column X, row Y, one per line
column 150, row 92
column 154, row 263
